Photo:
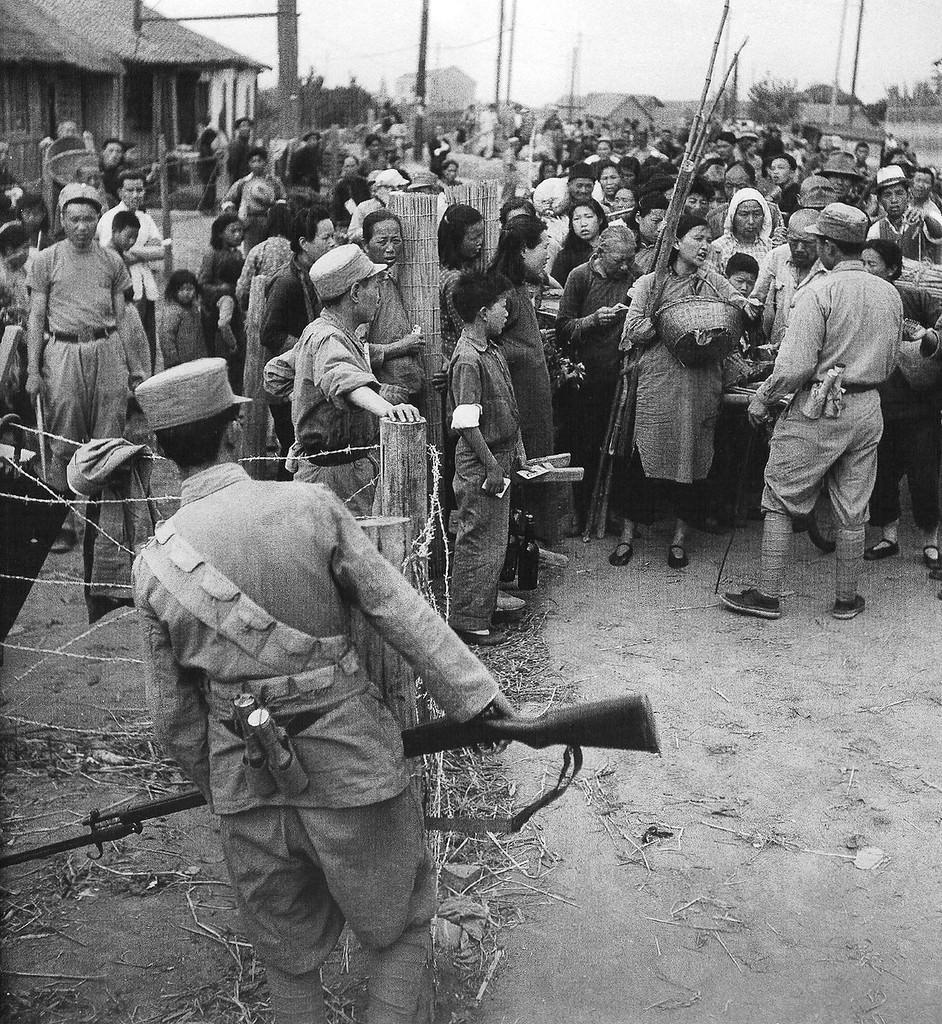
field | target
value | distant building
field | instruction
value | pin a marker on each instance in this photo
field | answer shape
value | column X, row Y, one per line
column 815, row 120
column 447, row 90
column 81, row 61
column 921, row 127
column 614, row 107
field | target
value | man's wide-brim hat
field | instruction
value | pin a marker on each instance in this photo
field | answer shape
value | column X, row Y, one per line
column 841, row 223
column 892, row 174
column 187, row 393
column 841, row 165
column 340, row 269
column 816, row 192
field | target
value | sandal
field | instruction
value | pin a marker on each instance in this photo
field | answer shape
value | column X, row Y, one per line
column 882, row 549
column 676, row 561
column 930, row 561
column 622, row 553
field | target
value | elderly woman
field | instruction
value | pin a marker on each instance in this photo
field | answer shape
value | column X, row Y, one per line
column 607, row 186
column 460, row 242
column 676, row 406
column 912, row 439
column 588, row 328
column 747, row 228
column 587, row 221
column 395, row 348
column 382, row 187
column 649, row 216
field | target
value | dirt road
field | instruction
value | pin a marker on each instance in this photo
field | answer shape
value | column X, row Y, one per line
column 787, row 746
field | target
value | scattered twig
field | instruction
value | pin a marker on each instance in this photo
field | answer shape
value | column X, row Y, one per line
column 720, row 693
column 498, row 953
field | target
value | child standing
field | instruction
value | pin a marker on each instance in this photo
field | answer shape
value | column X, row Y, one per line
column 180, row 324
column 489, row 447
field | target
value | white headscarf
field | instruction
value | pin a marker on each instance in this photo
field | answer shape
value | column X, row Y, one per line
column 745, row 195
column 549, row 189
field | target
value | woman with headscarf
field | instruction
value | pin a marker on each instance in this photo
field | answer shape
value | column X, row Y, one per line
column 676, row 406
column 587, row 221
column 747, row 228
column 460, row 241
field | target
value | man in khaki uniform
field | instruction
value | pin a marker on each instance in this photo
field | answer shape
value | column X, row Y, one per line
column 248, row 589
column 78, row 368
column 843, row 322
column 336, row 404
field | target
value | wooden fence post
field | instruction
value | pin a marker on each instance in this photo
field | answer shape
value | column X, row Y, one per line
column 391, row 535
column 255, row 421
column 403, row 473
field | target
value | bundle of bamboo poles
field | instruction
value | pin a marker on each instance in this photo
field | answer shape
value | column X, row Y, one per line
column 483, row 196
column 419, row 272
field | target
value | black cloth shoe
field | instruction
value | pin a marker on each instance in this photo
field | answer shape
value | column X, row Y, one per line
column 882, row 549
column 622, row 553
column 848, row 609
column 491, row 638
column 677, row 557
column 752, row 602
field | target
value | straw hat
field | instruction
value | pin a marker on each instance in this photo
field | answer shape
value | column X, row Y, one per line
column 187, row 393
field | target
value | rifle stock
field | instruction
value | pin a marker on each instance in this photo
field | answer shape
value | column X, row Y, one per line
column 621, row 723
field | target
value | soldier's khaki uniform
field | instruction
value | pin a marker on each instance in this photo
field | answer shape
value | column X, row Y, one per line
column 249, row 588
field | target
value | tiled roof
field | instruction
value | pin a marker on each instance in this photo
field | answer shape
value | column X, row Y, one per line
column 105, row 28
column 32, row 36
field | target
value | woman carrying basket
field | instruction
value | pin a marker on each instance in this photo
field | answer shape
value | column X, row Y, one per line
column 679, row 385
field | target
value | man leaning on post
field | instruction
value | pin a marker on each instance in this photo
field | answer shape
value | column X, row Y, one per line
column 842, row 340
column 244, row 597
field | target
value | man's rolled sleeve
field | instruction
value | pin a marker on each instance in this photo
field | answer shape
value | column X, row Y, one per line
column 336, row 375
column 459, row 683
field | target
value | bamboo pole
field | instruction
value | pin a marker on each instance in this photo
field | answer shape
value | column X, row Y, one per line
column 419, row 273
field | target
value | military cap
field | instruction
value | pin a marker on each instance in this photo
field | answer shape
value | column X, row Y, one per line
column 340, row 269
column 841, row 223
column 187, row 393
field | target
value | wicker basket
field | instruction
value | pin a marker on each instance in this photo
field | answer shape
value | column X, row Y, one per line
column 699, row 331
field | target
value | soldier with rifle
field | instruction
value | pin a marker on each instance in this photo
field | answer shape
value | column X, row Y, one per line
column 256, row 690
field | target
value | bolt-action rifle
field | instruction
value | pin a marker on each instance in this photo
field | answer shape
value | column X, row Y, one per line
column 621, row 723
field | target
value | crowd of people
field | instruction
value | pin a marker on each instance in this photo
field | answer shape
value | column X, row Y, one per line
column 795, row 281
column 583, row 231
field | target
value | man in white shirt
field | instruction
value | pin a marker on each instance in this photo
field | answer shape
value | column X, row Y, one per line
column 148, row 250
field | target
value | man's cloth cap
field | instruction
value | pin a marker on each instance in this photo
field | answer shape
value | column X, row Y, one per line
column 581, row 170
column 187, row 393
column 892, row 174
column 841, row 165
column 816, row 192
column 79, row 192
column 841, row 223
column 337, row 271
column 391, row 178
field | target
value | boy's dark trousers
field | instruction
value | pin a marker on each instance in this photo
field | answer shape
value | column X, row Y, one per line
column 481, row 523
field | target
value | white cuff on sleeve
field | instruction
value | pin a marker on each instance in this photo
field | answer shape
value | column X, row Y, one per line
column 465, row 417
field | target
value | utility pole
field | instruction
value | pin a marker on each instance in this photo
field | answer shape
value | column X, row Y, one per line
column 573, row 75
column 837, row 67
column 510, row 48
column 500, row 54
column 288, row 99
column 418, row 139
column 853, row 81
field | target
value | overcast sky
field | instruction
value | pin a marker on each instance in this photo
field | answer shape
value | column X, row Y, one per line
column 659, row 47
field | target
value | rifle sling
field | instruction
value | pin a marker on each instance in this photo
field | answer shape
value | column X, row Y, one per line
column 572, row 759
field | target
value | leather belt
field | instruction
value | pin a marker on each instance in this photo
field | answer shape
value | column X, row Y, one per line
column 103, row 332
